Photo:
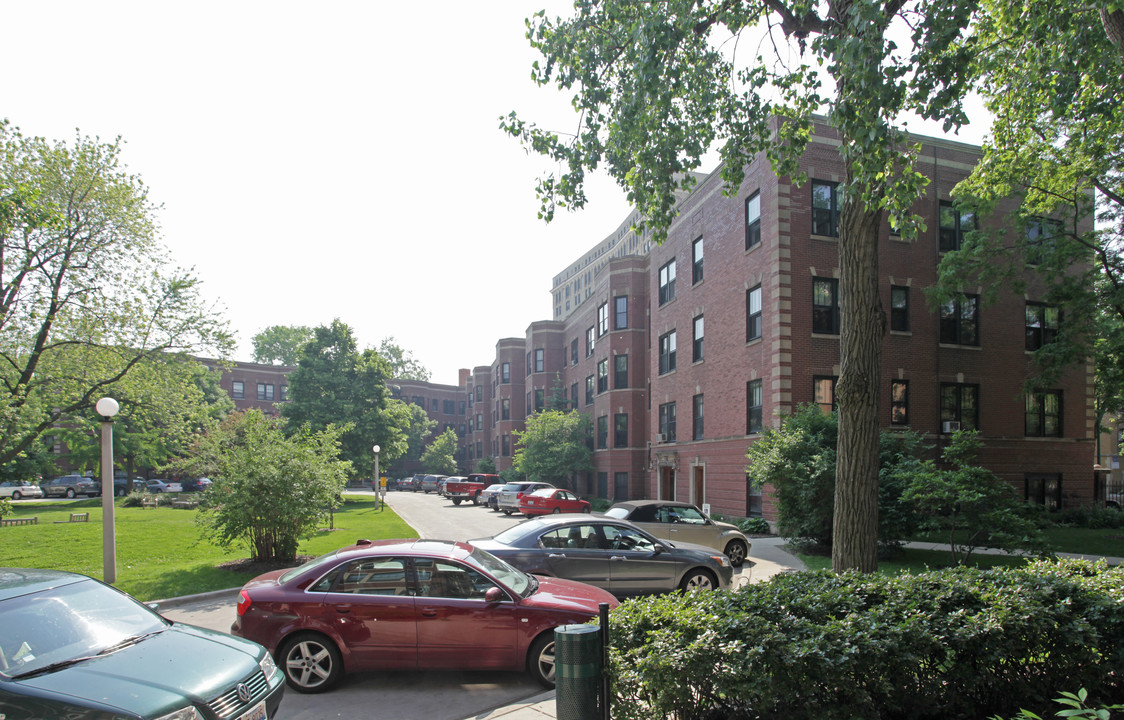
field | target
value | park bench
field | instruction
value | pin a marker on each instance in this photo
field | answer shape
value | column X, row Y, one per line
column 75, row 518
column 188, row 504
column 19, row 521
column 148, row 502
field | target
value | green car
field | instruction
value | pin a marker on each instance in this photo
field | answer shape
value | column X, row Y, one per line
column 73, row 647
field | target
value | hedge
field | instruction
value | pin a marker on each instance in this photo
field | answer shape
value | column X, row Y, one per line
column 958, row 643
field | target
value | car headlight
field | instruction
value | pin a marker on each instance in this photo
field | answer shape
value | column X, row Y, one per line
column 187, row 713
column 722, row 560
column 268, row 667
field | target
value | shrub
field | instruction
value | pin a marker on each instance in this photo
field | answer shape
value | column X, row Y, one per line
column 960, row 643
column 1090, row 516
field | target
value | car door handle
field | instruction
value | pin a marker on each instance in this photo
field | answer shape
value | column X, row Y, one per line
column 343, row 608
column 429, row 612
column 617, row 557
column 556, row 555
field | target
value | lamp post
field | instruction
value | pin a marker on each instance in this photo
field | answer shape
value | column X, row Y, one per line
column 378, row 481
column 107, row 407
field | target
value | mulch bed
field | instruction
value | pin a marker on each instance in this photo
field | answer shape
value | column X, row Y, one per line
column 256, row 567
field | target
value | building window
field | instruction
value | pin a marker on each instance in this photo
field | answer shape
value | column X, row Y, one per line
column 753, row 404
column 954, row 223
column 505, row 373
column 697, row 342
column 667, row 422
column 667, row 283
column 620, row 486
column 415, row 399
column 960, row 323
column 573, row 396
column 238, row 390
column 602, row 319
column 899, row 308
column 1041, row 234
column 1042, row 323
column 899, row 402
column 620, row 312
column 1044, row 489
column 479, row 421
column 589, row 341
column 620, row 430
column 505, row 445
column 753, row 314
column 284, row 393
column 530, row 365
column 620, row 371
column 697, row 261
column 434, row 404
column 825, row 208
column 603, row 432
column 1044, row 413
column 697, row 417
column 574, row 352
column 752, row 220
column 505, row 409
column 265, row 392
column 825, row 306
column 823, row 393
column 667, row 352
column 479, row 391
column 449, row 407
column 602, row 375
column 540, row 399
column 589, row 390
column 959, row 407
column 539, row 361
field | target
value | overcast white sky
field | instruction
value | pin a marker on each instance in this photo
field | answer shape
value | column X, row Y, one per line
column 322, row 160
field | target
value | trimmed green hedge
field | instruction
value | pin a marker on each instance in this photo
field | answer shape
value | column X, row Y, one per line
column 960, row 643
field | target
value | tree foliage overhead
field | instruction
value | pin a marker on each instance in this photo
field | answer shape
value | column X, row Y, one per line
column 403, row 364
column 87, row 294
column 553, row 446
column 280, row 344
column 656, row 85
column 335, row 384
column 439, row 457
column 271, row 489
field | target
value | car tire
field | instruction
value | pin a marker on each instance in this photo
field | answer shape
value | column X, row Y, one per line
column 476, row 499
column 556, row 511
column 540, row 659
column 121, row 492
column 311, row 663
column 698, row 579
column 70, row 493
column 17, row 495
column 506, row 511
column 587, row 509
column 456, row 501
column 736, row 551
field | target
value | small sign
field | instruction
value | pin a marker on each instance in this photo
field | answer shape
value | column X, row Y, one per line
column 706, row 509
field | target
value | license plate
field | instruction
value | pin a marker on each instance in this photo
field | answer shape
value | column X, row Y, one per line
column 257, row 712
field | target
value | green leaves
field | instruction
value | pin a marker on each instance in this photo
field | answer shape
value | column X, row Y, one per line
column 553, row 446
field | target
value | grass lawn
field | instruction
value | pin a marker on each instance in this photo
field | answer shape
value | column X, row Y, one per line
column 1062, row 539
column 159, row 551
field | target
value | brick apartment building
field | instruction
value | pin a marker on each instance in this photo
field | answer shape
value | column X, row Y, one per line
column 682, row 353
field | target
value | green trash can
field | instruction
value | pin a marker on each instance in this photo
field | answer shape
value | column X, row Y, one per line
column 577, row 671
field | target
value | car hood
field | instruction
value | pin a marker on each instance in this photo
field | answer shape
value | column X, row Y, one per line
column 154, row 676
column 693, row 549
column 562, row 594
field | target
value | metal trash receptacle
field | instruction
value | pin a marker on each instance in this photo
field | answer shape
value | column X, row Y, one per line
column 577, row 671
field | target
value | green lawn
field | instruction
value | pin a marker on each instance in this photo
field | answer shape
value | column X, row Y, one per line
column 159, row 551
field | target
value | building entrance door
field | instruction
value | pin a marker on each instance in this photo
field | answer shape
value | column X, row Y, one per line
column 698, row 487
column 667, row 483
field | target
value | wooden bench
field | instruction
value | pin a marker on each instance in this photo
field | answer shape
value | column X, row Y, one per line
column 148, row 502
column 19, row 521
column 185, row 504
column 75, row 518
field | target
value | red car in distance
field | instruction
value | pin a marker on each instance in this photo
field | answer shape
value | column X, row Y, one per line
column 406, row 605
column 551, row 500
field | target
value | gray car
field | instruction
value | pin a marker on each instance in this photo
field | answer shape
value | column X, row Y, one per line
column 683, row 522
column 614, row 555
column 70, row 486
column 507, row 501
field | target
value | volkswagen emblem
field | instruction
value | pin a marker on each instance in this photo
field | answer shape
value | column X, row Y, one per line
column 244, row 693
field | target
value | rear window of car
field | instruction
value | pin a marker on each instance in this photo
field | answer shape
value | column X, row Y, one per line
column 617, row 512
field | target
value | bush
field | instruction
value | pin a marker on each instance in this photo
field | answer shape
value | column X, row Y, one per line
column 959, row 643
column 1090, row 516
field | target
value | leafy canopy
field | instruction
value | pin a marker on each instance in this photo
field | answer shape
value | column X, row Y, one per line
column 280, row 344
column 553, row 446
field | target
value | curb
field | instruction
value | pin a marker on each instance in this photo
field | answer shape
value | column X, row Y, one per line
column 187, row 599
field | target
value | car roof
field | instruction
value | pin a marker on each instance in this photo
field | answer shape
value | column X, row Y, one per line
column 413, row 546
column 15, row 582
column 645, row 503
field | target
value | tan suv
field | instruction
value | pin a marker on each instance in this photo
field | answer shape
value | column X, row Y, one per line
column 70, row 486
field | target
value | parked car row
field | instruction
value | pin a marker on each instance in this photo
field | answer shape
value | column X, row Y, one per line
column 71, row 486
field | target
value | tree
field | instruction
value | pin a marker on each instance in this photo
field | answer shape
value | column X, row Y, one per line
column 439, row 457
column 969, row 504
column 87, row 294
column 486, row 465
column 403, row 364
column 336, row 385
column 657, row 84
column 419, row 430
column 553, row 446
column 280, row 344
column 272, row 490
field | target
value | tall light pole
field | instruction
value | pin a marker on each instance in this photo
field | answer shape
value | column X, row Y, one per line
column 377, row 483
column 107, row 407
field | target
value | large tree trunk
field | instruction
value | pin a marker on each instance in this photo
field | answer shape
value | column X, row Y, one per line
column 862, row 327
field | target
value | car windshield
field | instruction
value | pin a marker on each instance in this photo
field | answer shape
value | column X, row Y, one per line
column 315, row 562
column 519, row 581
column 617, row 512
column 57, row 627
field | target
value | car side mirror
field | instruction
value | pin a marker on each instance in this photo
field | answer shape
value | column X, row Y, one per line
column 493, row 594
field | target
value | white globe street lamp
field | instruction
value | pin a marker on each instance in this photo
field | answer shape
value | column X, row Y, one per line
column 107, row 408
column 378, row 481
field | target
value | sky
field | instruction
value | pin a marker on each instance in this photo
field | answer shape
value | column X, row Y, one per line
column 314, row 161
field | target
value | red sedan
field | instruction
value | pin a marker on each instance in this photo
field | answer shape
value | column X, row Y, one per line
column 551, row 500
column 409, row 604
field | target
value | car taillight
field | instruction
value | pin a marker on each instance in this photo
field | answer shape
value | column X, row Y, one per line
column 518, row 495
column 244, row 603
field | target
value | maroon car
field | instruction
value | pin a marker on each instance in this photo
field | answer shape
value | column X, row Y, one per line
column 406, row 604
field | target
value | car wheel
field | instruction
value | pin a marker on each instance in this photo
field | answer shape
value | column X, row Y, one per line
column 506, row 511
column 698, row 580
column 121, row 492
column 311, row 662
column 476, row 499
column 586, row 509
column 456, row 501
column 70, row 493
column 17, row 495
column 736, row 551
column 556, row 511
column 540, row 659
